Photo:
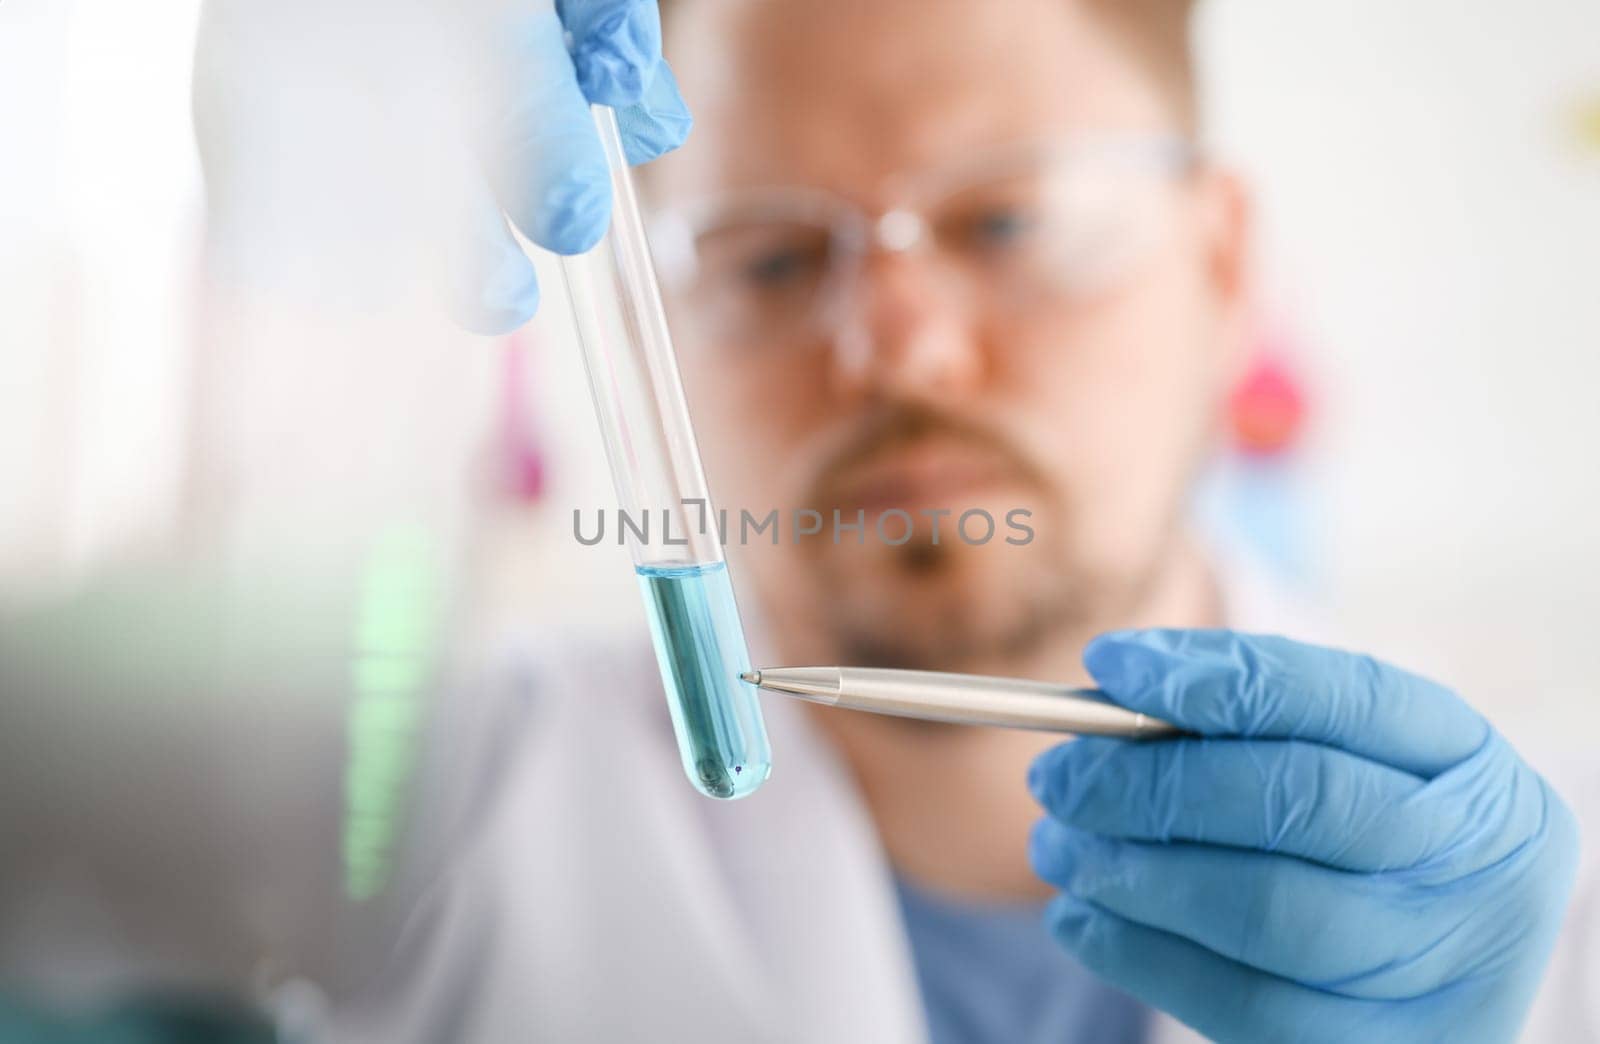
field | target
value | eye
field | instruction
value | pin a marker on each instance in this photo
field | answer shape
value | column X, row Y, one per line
column 999, row 227
column 778, row 268
column 774, row 267
column 764, row 262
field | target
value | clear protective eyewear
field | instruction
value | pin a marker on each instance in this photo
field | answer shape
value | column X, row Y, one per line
column 1024, row 226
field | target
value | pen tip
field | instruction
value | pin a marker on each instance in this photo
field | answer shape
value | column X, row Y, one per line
column 753, row 677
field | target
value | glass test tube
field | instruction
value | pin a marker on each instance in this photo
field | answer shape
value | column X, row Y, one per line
column 664, row 506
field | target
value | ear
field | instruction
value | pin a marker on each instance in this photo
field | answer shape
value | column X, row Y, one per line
column 1227, row 232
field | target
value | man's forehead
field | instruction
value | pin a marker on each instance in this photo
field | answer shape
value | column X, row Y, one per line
column 843, row 93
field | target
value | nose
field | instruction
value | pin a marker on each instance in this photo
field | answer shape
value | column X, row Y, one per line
column 908, row 330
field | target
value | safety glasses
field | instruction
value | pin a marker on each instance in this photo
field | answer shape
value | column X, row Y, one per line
column 1023, row 227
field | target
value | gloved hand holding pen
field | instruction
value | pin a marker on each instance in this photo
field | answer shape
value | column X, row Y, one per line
column 545, row 167
column 1348, row 853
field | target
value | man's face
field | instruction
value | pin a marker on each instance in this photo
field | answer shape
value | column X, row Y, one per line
column 926, row 390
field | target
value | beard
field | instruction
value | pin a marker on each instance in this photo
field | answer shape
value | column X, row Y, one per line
column 937, row 602
column 951, row 606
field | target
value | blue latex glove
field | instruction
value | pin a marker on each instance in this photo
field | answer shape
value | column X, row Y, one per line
column 1350, row 854
column 547, row 170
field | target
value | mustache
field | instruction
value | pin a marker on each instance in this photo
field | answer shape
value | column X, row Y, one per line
column 896, row 427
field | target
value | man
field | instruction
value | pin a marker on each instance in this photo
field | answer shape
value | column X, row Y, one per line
column 934, row 256
column 931, row 255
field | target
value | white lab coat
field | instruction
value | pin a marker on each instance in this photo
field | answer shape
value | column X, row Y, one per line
column 604, row 900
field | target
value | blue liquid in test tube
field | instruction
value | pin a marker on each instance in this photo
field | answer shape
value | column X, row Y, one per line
column 700, row 645
column 655, row 468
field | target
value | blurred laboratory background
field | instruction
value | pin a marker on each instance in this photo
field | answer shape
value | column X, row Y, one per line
column 1415, row 447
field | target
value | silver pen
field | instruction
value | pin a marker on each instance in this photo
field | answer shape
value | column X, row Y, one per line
column 962, row 699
